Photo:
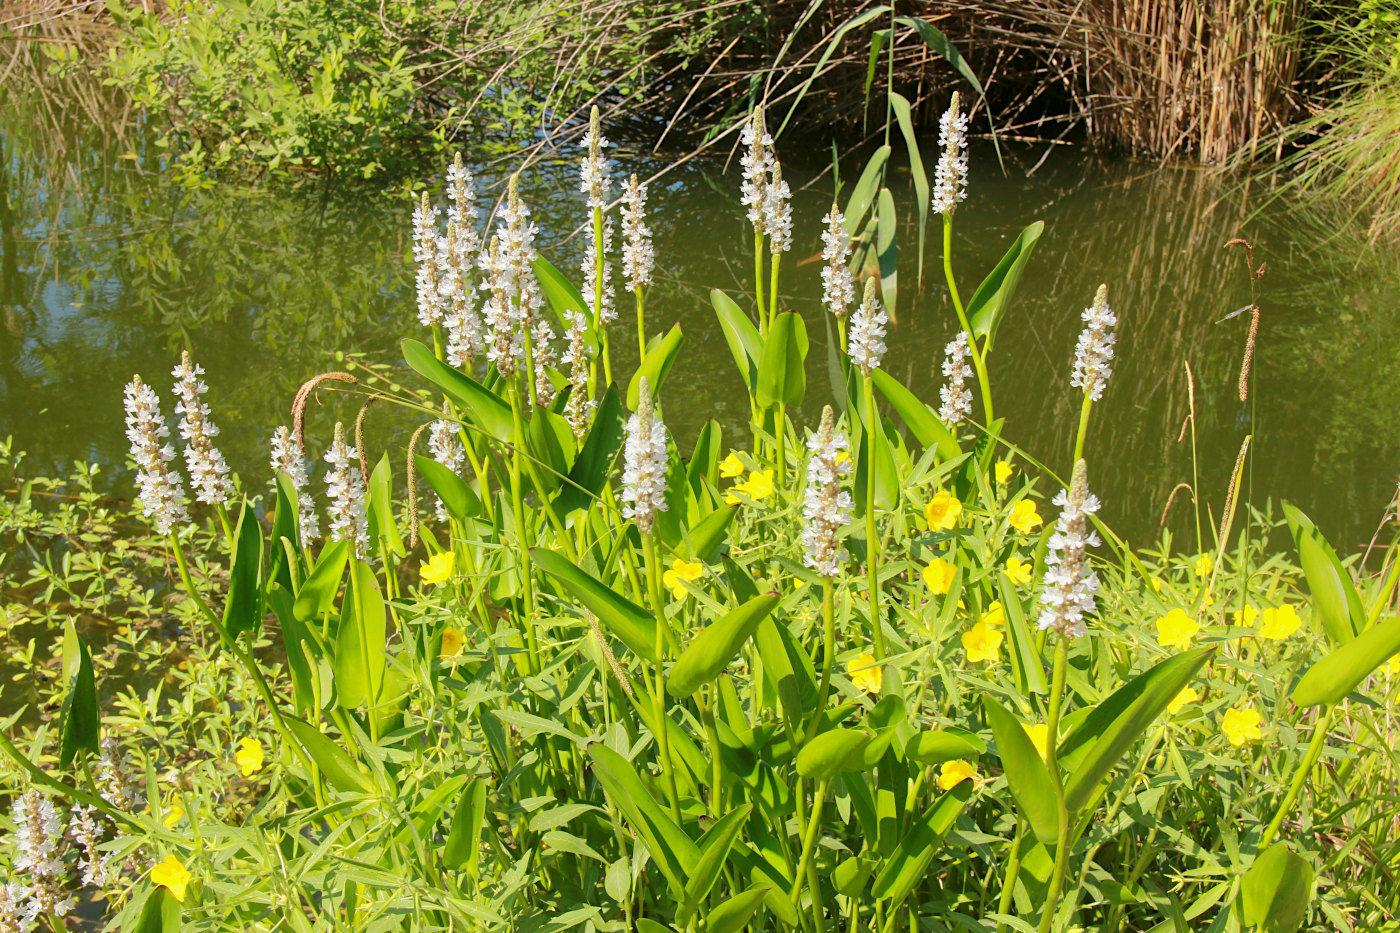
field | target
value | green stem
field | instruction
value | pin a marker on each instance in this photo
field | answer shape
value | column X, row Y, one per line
column 780, row 429
column 828, row 655
column 1319, row 738
column 707, row 716
column 641, row 328
column 979, row 354
column 1052, row 735
column 663, row 739
column 807, row 864
column 1083, row 429
column 517, row 501
column 1013, row 869
column 773, row 291
column 872, row 536
column 758, row 282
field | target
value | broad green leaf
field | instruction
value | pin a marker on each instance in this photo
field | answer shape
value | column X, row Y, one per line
column 628, row 621
column 1276, row 890
column 551, row 443
column 79, row 717
column 383, row 530
column 989, row 303
column 711, row 651
column 788, row 668
column 884, row 721
column 911, row 860
column 647, row 925
column 160, row 913
column 782, row 378
column 900, row 105
column 1026, row 773
column 561, row 294
column 707, row 535
column 674, row 853
column 944, row 47
column 1333, row 593
column 359, row 650
column 317, row 594
column 1336, row 675
column 1025, row 659
column 284, row 526
column 735, row 912
column 660, row 355
column 704, row 462
column 832, row 751
column 462, row 849
column 478, row 404
column 886, row 475
column 594, row 462
column 940, row 745
column 457, row 497
column 887, row 252
column 243, row 611
column 850, row 876
column 740, row 333
column 294, row 636
column 865, row 188
column 927, row 429
column 1119, row 721
column 337, row 767
column 715, row 846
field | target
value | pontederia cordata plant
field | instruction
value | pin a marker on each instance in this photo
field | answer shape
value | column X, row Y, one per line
column 831, row 675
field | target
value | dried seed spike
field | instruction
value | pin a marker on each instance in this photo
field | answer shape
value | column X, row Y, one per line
column 304, row 394
column 1248, row 355
column 360, row 436
column 412, row 482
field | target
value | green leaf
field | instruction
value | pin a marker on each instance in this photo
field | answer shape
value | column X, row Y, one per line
column 887, row 251
column 647, row 925
column 628, row 621
column 739, row 332
column 243, row 611
column 1336, row 675
column 781, row 376
column 886, row 475
column 671, row 849
column 1276, row 890
column 383, row 530
column 657, row 363
column 704, row 462
column 707, row 536
column 900, row 105
column 789, row 670
column 561, row 294
column 551, row 444
column 1119, row 721
column 989, row 303
column 885, row 721
column 284, row 526
column 594, row 462
column 865, row 188
column 907, row 866
column 712, row 650
column 944, row 47
column 462, row 849
column 735, row 912
column 1333, row 593
column 1026, row 666
column 359, row 651
column 850, row 876
column 337, row 767
column 79, row 718
column 317, row 594
column 940, row 745
column 160, row 913
column 294, row 636
column 457, row 497
column 1026, row 773
column 715, row 846
column 478, row 404
column 927, row 429
column 832, row 751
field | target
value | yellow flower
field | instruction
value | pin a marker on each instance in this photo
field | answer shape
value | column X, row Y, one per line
column 1156, row 584
column 1187, row 694
column 452, row 642
column 942, row 511
column 842, row 457
column 682, row 570
column 249, row 756
column 1245, row 617
column 1392, row 669
column 1038, row 733
column 439, row 568
column 1176, row 629
column 939, row 575
column 982, row 643
column 758, row 486
column 1279, row 623
column 1204, row 565
column 1241, row 725
column 173, row 815
column 1024, row 517
column 995, row 614
column 731, row 466
column 1003, row 470
column 864, row 672
column 954, row 773
column 171, row 874
column 1019, row 571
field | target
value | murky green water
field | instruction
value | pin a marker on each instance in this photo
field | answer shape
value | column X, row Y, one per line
column 108, row 269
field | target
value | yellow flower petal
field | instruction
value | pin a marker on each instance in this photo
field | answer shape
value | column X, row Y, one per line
column 1003, row 470
column 439, row 568
column 757, row 487
column 249, row 756
column 682, row 570
column 452, row 643
column 1024, row 518
column 942, row 511
column 1019, row 571
column 982, row 642
column 1245, row 617
column 172, row 875
column 1392, row 669
column 1241, row 725
column 1279, row 623
column 938, row 575
column 1187, row 694
column 1204, row 565
column 1176, row 629
column 865, row 673
column 1038, row 734
column 995, row 614
column 173, row 815
column 954, row 773
column 731, row 466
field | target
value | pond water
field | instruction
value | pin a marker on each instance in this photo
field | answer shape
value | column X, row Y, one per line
column 109, row 268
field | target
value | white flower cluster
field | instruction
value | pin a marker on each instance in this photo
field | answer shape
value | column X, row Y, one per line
column 1070, row 583
column 209, row 476
column 444, row 278
column 777, row 212
column 510, row 279
column 85, row 830
column 289, row 458
column 758, row 163
column 838, row 287
column 950, row 177
column 593, row 171
column 638, row 256
column 425, row 253
column 116, row 785
column 866, row 340
column 162, row 493
column 826, row 507
column 607, row 311
column 349, row 520
column 1093, row 354
column 459, row 317
column 957, row 398
column 16, row 912
column 445, row 448
column 38, row 834
column 644, row 476
column 461, row 192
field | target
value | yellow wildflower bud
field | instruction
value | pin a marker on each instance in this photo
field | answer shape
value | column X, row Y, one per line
column 173, row 815
column 731, row 466
column 1204, row 565
column 1003, row 470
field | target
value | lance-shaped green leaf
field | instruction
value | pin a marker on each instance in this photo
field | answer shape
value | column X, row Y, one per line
column 671, row 849
column 740, row 334
column 989, row 303
column 478, row 404
column 900, row 105
column 1119, row 721
column 907, row 866
column 884, row 721
column 655, row 365
column 284, row 526
column 715, row 847
column 1026, row 773
column 850, row 876
column 79, row 724
column 457, row 497
column 832, row 751
column 863, row 194
column 705, row 538
column 886, row 476
column 462, row 849
column 317, row 593
column 887, row 251
column 552, row 446
column 1276, row 890
column 294, row 636
column 704, row 462
column 561, row 294
column 735, row 912
column 788, row 668
column 1336, row 675
column 337, row 767
column 594, row 462
column 917, row 416
column 1333, row 593
column 940, row 745
column 782, row 378
column 1026, row 666
column 383, row 530
column 359, row 649
column 711, row 651
column 624, row 618
column 160, row 913
column 243, row 611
